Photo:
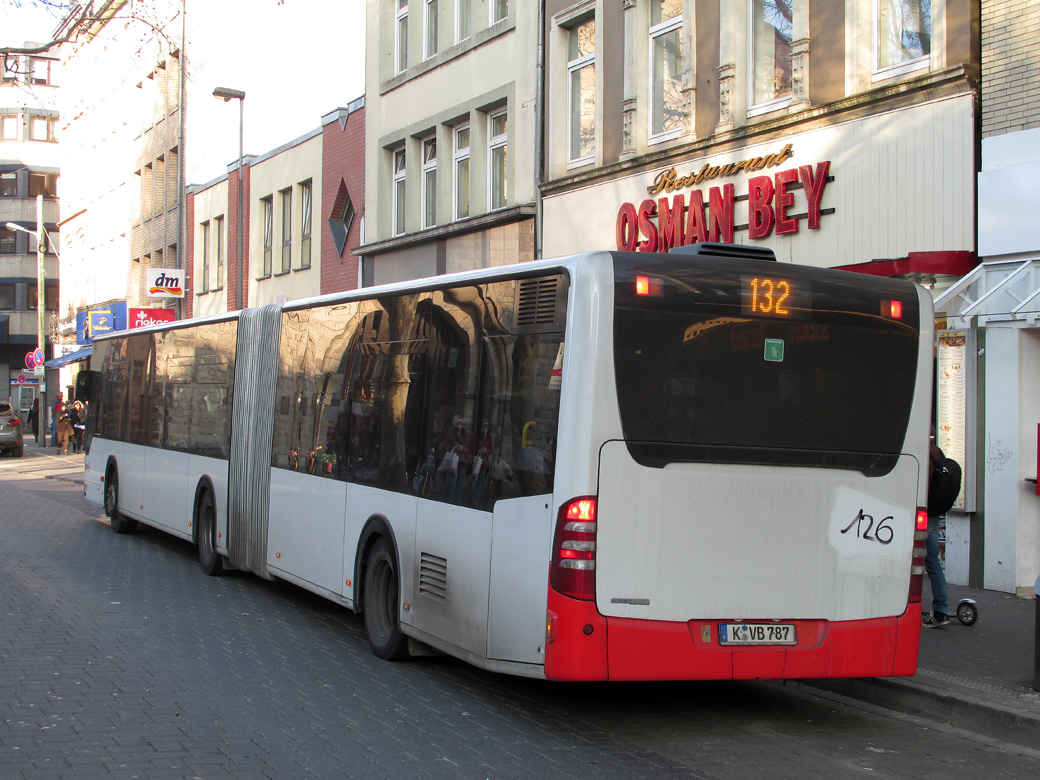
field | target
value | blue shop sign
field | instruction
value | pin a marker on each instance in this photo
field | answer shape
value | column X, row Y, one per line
column 100, row 319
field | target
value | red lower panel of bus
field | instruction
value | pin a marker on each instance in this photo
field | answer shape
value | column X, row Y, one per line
column 588, row 646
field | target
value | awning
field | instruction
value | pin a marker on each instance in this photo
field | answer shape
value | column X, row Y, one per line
column 72, row 357
column 996, row 291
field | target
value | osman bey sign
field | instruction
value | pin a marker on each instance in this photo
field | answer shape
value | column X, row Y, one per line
column 659, row 223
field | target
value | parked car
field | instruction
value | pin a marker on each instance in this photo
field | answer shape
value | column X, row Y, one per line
column 10, row 430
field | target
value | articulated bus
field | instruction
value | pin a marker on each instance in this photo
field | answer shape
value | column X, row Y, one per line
column 704, row 464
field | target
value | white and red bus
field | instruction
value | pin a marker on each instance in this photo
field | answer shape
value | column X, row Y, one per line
column 612, row 466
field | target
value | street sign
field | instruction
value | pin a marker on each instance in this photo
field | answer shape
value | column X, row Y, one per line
column 21, row 379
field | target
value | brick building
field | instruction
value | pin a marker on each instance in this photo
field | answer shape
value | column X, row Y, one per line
column 303, row 206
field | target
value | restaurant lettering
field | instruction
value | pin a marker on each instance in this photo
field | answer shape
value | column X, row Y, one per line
column 670, row 181
column 657, row 225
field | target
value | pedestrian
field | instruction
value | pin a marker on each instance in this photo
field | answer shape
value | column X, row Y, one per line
column 78, row 418
column 34, row 419
column 932, row 564
column 59, row 410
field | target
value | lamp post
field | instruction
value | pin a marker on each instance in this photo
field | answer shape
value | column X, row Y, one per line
column 41, row 299
column 226, row 94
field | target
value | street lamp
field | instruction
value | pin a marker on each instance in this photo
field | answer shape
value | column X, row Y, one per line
column 226, row 94
column 41, row 314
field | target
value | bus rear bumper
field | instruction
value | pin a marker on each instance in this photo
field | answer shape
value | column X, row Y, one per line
column 589, row 646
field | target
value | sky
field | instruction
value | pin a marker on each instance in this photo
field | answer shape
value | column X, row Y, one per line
column 297, row 61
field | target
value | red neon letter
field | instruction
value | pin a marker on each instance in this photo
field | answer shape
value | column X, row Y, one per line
column 814, row 189
column 625, row 228
column 760, row 210
column 695, row 230
column 646, row 227
column 720, row 210
column 784, row 200
column 670, row 222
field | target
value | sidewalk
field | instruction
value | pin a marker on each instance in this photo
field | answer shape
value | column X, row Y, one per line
column 976, row 678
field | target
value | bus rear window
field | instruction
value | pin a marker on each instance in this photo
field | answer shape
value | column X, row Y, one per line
column 722, row 360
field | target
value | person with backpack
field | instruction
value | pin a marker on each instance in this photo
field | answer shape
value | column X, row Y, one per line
column 944, row 484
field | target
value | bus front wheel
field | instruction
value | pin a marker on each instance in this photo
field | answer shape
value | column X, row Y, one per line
column 206, row 527
column 382, row 604
column 120, row 524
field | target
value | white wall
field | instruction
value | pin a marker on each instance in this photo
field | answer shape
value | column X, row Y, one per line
column 1002, row 474
column 903, row 182
column 1028, row 531
column 1008, row 196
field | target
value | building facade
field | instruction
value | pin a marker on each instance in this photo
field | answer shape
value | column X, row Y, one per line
column 989, row 352
column 452, row 137
column 29, row 174
column 302, row 212
column 806, row 127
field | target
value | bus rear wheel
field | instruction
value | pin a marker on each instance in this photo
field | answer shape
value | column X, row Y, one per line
column 206, row 527
column 120, row 524
column 382, row 605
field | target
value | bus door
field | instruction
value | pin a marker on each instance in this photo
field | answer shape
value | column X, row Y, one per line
column 452, row 538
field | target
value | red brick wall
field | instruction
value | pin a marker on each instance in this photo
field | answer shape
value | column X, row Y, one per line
column 343, row 160
column 231, row 225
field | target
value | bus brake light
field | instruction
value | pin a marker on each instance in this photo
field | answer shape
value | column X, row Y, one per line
column 922, row 519
column 574, row 550
column 892, row 309
column 917, row 557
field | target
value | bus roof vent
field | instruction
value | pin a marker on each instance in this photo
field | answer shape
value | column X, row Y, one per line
column 540, row 304
column 709, row 249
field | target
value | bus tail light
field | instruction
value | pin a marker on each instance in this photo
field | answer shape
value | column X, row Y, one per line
column 917, row 560
column 574, row 550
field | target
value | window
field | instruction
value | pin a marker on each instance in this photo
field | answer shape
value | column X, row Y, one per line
column 6, row 296
column 41, row 128
column 50, row 294
column 204, row 271
column 286, row 199
column 903, row 34
column 267, row 209
column 8, row 185
column 460, row 178
column 769, row 46
column 462, row 23
column 7, row 241
column 40, row 71
column 9, row 127
column 218, row 251
column 399, row 193
column 429, row 182
column 10, row 68
column 497, row 159
column 45, row 184
column 342, row 219
column 581, row 111
column 666, row 114
column 499, row 10
column 306, row 220
column 430, row 27
column 401, row 36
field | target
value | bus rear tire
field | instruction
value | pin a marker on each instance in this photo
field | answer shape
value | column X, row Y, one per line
column 120, row 524
column 206, row 526
column 382, row 604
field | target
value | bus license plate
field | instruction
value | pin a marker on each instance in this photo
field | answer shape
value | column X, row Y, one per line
column 757, row 634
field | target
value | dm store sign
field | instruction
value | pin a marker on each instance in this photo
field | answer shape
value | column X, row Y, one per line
column 165, row 282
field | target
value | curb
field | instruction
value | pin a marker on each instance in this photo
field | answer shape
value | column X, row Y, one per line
column 1000, row 713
